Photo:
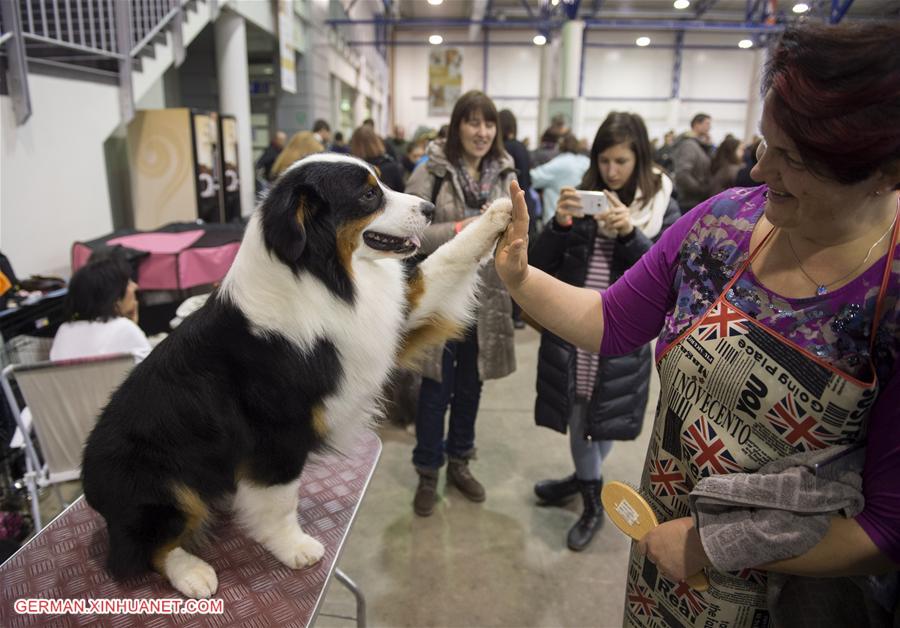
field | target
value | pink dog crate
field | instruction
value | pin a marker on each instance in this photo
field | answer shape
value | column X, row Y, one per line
column 175, row 257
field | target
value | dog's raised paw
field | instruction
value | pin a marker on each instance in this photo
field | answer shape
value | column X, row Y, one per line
column 191, row 576
column 301, row 551
column 499, row 213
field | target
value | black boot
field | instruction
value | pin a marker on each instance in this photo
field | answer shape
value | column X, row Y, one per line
column 591, row 519
column 554, row 491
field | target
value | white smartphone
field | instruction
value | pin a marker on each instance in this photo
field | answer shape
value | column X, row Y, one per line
column 593, row 203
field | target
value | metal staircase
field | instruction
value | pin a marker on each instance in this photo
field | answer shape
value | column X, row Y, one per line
column 116, row 40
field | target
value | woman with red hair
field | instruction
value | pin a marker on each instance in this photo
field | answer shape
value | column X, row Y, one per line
column 777, row 320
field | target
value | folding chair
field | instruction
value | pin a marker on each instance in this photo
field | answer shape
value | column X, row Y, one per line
column 63, row 400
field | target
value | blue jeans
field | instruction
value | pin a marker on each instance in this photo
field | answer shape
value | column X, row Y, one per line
column 460, row 389
column 587, row 454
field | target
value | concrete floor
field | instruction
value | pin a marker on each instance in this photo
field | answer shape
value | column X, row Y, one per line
column 500, row 563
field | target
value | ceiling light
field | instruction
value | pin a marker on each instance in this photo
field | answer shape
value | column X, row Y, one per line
column 801, row 7
column 642, row 41
column 745, row 43
column 435, row 40
column 539, row 40
column 554, row 2
column 434, row 3
column 681, row 4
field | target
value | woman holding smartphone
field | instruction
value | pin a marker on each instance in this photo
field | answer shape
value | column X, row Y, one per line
column 599, row 399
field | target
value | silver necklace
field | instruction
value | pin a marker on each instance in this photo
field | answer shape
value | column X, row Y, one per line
column 822, row 288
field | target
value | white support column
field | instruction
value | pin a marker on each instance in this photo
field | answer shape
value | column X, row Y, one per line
column 754, row 97
column 572, row 35
column 548, row 84
column 572, row 51
column 234, row 94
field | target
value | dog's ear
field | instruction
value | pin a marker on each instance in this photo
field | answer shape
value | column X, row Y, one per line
column 285, row 214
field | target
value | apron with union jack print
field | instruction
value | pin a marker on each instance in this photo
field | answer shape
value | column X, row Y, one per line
column 734, row 396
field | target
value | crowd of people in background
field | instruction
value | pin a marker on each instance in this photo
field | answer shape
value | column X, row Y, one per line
column 697, row 166
column 466, row 164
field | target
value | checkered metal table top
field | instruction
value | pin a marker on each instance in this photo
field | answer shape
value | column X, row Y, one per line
column 67, row 560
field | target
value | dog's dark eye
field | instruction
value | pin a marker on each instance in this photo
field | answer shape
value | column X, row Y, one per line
column 370, row 195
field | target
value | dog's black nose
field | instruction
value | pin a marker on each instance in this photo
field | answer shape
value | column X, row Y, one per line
column 427, row 210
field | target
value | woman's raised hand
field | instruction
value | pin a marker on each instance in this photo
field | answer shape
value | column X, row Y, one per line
column 618, row 217
column 511, row 255
column 567, row 207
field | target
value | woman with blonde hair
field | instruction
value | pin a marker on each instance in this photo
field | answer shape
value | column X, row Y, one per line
column 302, row 144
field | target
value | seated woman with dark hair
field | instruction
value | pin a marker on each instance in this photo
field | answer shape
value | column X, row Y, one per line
column 102, row 310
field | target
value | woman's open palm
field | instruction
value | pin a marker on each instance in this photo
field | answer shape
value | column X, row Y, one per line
column 511, row 255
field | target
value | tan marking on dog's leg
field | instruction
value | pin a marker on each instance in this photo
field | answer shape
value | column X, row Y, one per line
column 190, row 575
column 415, row 289
column 319, row 421
column 348, row 239
column 196, row 514
column 436, row 331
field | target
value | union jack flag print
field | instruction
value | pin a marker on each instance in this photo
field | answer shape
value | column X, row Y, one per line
column 752, row 575
column 722, row 321
column 695, row 602
column 666, row 480
column 801, row 431
column 707, row 449
column 639, row 601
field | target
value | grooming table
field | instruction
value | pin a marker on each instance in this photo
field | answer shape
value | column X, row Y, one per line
column 66, row 560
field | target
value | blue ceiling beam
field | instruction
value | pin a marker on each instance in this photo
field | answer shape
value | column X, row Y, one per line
column 752, row 7
column 593, row 23
column 686, row 25
column 528, row 8
column 703, row 6
column 570, row 8
column 838, row 10
column 675, row 92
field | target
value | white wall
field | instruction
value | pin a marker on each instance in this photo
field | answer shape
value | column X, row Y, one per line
column 53, row 187
column 618, row 76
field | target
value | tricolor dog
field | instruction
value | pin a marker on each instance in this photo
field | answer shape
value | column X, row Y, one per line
column 286, row 358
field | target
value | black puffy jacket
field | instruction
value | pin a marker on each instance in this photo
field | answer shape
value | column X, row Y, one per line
column 621, row 388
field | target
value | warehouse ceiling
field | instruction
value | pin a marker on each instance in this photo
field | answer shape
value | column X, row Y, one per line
column 526, row 12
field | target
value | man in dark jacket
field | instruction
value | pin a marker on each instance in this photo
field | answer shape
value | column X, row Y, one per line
column 267, row 159
column 693, row 159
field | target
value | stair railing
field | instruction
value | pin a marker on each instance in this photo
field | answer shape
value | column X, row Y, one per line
column 91, row 30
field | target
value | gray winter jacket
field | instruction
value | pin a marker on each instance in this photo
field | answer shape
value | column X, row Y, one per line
column 496, row 351
column 693, row 177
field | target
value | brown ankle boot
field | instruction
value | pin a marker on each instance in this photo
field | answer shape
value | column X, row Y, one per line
column 426, row 492
column 461, row 477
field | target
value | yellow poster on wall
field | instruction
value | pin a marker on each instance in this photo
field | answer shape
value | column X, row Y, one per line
column 286, row 56
column 444, row 80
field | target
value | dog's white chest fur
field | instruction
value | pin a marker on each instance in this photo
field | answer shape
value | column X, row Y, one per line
column 367, row 335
